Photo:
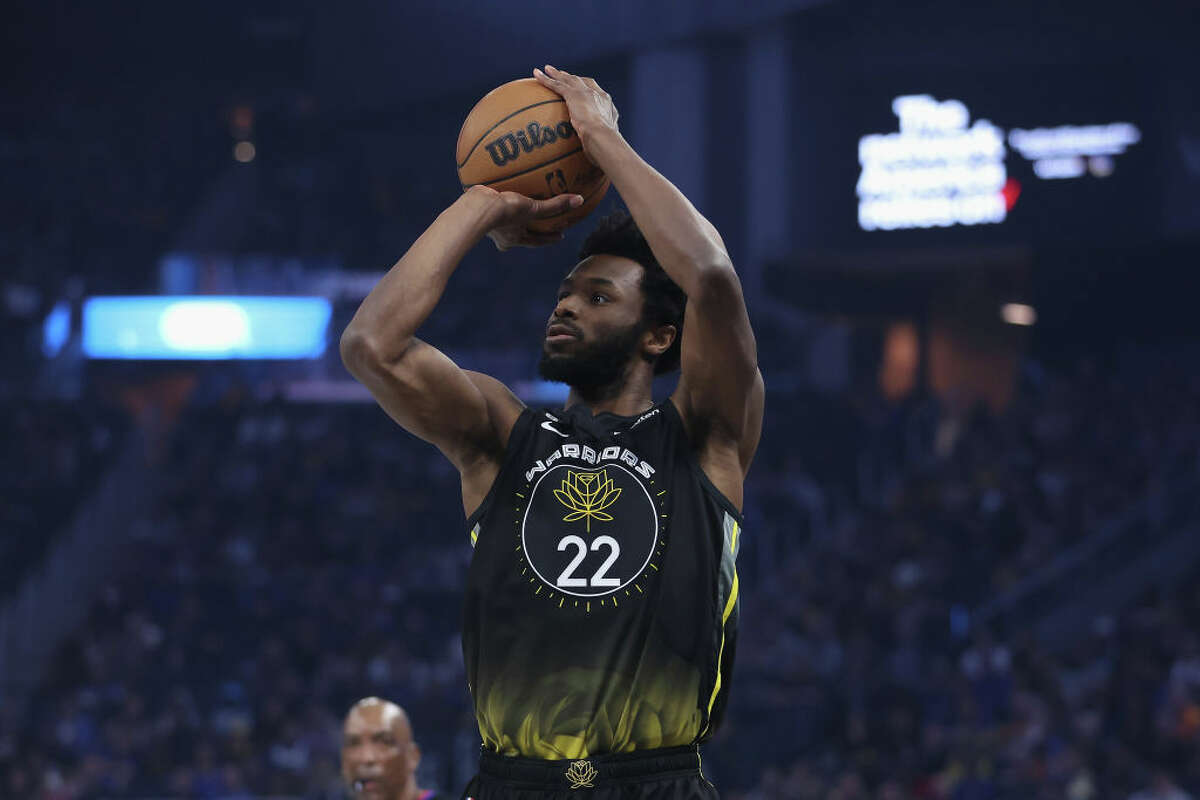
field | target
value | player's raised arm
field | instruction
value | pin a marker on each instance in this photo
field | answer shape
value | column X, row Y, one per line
column 720, row 391
column 468, row 416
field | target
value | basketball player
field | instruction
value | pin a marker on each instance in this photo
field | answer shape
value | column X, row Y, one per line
column 379, row 756
column 601, row 602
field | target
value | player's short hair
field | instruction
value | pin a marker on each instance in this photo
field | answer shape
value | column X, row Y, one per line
column 664, row 302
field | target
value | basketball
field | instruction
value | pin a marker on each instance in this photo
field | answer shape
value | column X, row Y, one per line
column 519, row 138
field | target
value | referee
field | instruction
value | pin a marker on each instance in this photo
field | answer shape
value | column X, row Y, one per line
column 601, row 602
column 379, row 756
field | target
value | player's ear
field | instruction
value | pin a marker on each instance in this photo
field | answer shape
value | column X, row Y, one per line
column 658, row 340
column 414, row 755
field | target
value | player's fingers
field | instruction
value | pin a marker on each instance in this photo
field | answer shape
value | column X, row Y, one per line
column 564, row 77
column 563, row 84
column 545, row 79
column 558, row 204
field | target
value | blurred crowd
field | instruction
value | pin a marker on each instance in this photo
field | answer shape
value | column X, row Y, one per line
column 294, row 563
column 51, row 455
column 862, row 670
column 302, row 557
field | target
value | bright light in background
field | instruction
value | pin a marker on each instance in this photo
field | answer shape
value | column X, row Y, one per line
column 56, row 329
column 934, row 172
column 1018, row 314
column 1074, row 140
column 244, row 152
column 203, row 326
column 939, row 169
column 1061, row 152
column 182, row 327
column 1050, row 168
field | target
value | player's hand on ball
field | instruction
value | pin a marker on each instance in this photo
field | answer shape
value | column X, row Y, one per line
column 591, row 108
column 513, row 212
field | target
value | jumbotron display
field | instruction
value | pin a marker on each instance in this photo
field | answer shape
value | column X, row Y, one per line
column 941, row 169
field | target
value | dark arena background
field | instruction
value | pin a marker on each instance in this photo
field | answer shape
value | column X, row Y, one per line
column 969, row 239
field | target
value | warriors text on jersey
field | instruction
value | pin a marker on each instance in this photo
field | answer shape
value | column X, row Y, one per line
column 601, row 603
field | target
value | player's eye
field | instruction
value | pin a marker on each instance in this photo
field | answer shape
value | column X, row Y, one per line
column 599, row 298
column 562, row 293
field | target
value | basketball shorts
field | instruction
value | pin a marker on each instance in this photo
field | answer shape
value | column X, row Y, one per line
column 668, row 774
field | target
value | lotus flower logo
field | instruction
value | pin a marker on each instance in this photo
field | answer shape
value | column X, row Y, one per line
column 587, row 494
column 581, row 774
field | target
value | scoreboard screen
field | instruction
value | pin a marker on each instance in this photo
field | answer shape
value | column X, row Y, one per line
column 940, row 168
column 916, row 156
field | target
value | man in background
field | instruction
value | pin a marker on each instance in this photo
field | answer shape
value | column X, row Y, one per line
column 379, row 756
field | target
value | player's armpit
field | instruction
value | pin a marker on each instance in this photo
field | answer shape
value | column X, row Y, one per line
column 720, row 386
column 466, row 415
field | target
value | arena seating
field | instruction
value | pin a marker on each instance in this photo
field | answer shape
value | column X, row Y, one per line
column 303, row 557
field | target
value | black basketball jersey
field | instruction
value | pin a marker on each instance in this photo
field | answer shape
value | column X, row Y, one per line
column 602, row 600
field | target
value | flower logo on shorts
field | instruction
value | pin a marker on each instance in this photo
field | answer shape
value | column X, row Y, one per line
column 581, row 774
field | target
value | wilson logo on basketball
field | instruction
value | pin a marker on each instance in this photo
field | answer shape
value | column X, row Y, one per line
column 509, row 146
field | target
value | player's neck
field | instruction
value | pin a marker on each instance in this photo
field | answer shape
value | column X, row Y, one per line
column 626, row 399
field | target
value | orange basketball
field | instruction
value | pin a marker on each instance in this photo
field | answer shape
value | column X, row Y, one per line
column 519, row 138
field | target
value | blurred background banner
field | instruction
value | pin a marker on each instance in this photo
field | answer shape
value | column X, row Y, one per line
column 199, row 327
column 968, row 235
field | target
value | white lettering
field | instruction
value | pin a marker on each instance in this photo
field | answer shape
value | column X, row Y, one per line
column 587, row 454
column 538, row 467
column 935, row 172
column 1074, row 140
column 1050, row 168
column 643, row 418
column 920, row 112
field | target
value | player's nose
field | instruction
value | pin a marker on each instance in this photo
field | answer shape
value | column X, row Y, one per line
column 566, row 307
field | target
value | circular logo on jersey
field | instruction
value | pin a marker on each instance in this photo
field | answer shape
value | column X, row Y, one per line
column 589, row 531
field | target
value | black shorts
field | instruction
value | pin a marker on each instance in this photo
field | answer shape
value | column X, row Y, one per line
column 668, row 774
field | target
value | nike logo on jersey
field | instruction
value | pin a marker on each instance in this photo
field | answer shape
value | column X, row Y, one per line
column 548, row 425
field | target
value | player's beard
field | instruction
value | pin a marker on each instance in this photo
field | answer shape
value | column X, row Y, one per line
column 592, row 367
